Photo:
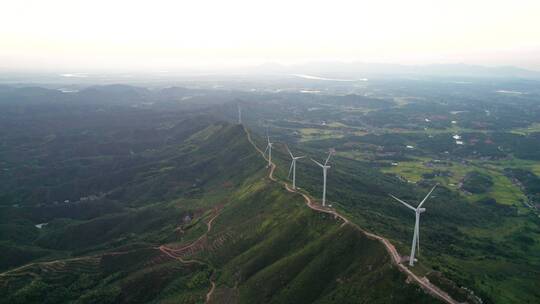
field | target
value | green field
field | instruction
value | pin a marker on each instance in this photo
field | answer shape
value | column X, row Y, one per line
column 316, row 134
column 535, row 127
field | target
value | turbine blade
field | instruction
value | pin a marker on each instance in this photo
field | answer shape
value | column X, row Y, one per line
column 404, row 203
column 289, row 151
column 290, row 170
column 299, row 157
column 328, row 158
column 318, row 163
column 427, row 196
column 266, row 149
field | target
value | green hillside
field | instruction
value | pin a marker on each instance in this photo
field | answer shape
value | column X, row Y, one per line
column 276, row 250
column 484, row 246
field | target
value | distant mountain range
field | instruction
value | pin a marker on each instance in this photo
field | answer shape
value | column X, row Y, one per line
column 322, row 71
column 360, row 70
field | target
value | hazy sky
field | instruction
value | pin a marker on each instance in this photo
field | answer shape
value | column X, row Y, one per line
column 160, row 34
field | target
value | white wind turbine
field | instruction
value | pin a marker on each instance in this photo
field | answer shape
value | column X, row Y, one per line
column 418, row 210
column 239, row 114
column 293, row 167
column 269, row 149
column 325, row 167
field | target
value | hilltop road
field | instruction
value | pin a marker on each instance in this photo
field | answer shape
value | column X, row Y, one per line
column 423, row 282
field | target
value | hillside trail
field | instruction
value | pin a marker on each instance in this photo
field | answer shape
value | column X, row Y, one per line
column 423, row 282
column 197, row 241
column 174, row 253
column 16, row 271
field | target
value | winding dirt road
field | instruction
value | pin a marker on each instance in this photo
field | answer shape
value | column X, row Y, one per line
column 209, row 294
column 390, row 248
column 175, row 252
column 24, row 267
column 197, row 241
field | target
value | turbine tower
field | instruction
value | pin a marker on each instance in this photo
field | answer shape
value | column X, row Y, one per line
column 293, row 167
column 325, row 167
column 239, row 114
column 418, row 210
column 269, row 149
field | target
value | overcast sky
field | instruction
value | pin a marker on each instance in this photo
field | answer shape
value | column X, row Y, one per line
column 161, row 34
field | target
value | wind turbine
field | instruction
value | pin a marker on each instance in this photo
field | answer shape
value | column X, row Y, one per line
column 269, row 149
column 293, row 167
column 418, row 210
column 239, row 114
column 325, row 167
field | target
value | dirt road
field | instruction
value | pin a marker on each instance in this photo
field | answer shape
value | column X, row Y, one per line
column 390, row 248
column 200, row 239
column 209, row 294
column 175, row 253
